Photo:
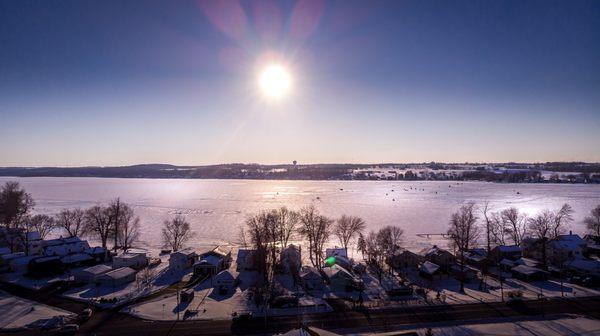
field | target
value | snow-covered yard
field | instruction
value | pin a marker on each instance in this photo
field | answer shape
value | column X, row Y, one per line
column 145, row 284
column 17, row 313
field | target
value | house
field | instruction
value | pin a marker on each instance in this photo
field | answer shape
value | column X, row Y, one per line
column 64, row 246
column 77, row 260
column 340, row 280
column 585, row 267
column 117, row 277
column 431, row 271
column 212, row 262
column 528, row 273
column 6, row 258
column 291, row 259
column 224, row 281
column 183, row 259
column 245, row 260
column 565, row 248
column 91, row 274
column 100, row 254
column 466, row 272
column 20, row 264
column 506, row 264
column 405, row 259
column 438, row 256
column 510, row 252
column 311, row 278
column 338, row 260
column 45, row 266
column 133, row 260
column 34, row 243
column 336, row 251
column 593, row 244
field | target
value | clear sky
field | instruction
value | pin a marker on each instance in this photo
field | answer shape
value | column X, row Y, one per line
column 127, row 82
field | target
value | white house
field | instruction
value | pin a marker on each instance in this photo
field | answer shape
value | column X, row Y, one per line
column 64, row 246
column 91, row 274
column 183, row 259
column 566, row 248
column 132, row 260
column 117, row 277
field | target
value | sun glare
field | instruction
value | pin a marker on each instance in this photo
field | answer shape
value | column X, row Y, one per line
column 275, row 81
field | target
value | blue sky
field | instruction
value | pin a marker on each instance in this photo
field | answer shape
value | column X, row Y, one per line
column 117, row 83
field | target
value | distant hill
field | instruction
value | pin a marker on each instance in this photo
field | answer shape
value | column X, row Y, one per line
column 504, row 172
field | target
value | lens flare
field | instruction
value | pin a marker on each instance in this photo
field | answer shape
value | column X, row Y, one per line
column 275, row 81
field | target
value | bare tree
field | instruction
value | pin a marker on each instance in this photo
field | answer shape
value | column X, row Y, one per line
column 593, row 221
column 542, row 228
column 98, row 223
column 498, row 230
column 287, row 221
column 129, row 231
column 361, row 245
column 72, row 221
column 176, row 232
column 43, row 224
column 15, row 204
column 308, row 218
column 463, row 232
column 561, row 218
column 375, row 243
column 257, row 229
column 489, row 226
column 321, row 236
column 348, row 228
column 515, row 224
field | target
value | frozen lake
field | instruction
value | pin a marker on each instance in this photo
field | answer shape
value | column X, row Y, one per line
column 217, row 208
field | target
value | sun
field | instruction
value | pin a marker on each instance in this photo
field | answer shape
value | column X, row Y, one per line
column 275, row 81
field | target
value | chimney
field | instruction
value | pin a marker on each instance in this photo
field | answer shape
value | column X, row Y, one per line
column 570, row 233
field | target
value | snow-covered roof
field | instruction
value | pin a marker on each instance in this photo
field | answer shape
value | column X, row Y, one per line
column 77, row 257
column 527, row 261
column 53, row 242
column 527, row 270
column 4, row 250
column 95, row 250
column 429, row 268
column 585, row 264
column 212, row 260
column 507, row 262
column 188, row 252
column 98, row 269
column 308, row 272
column 336, row 271
column 509, row 248
column 433, row 251
column 138, row 251
column 120, row 273
column 127, row 255
column 10, row 256
column 23, row 260
column 568, row 242
column 71, row 240
column 45, row 259
column 225, row 276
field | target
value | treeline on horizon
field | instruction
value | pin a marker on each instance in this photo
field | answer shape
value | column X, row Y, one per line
column 515, row 172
